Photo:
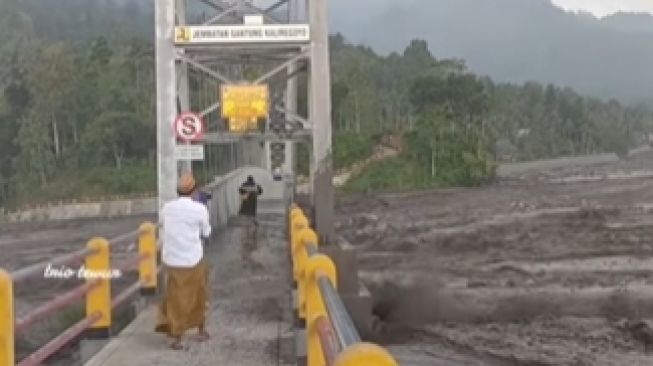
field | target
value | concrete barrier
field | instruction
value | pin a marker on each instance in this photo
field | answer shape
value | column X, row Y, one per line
column 507, row 170
column 224, row 205
column 118, row 208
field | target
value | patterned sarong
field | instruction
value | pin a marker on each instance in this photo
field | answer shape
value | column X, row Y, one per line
column 185, row 300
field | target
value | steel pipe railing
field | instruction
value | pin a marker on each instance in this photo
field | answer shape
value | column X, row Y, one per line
column 61, row 340
column 131, row 263
column 72, row 258
column 343, row 325
column 96, row 290
column 125, row 294
column 328, row 339
column 51, row 307
column 124, row 238
column 30, row 271
column 332, row 337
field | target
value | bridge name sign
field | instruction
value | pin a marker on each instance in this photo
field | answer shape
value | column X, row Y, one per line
column 268, row 33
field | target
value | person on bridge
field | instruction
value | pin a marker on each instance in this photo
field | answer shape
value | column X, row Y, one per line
column 277, row 174
column 249, row 192
column 184, row 305
column 202, row 197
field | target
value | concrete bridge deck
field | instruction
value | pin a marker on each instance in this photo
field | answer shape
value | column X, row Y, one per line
column 250, row 319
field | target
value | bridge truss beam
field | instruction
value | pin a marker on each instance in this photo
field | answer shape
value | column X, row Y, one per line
column 227, row 61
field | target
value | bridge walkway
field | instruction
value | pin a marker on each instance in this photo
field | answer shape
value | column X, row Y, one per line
column 250, row 310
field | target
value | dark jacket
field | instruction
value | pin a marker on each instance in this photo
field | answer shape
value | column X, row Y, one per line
column 202, row 197
column 251, row 191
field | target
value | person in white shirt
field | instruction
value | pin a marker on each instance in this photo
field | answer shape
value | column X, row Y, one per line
column 184, row 305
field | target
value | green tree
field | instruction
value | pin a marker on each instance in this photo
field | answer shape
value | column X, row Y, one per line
column 114, row 136
column 452, row 154
column 51, row 82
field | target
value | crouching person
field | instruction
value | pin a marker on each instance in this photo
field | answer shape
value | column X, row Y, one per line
column 184, row 304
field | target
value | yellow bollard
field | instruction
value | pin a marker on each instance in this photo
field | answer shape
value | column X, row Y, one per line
column 98, row 299
column 299, row 223
column 291, row 227
column 294, row 214
column 147, row 269
column 302, row 258
column 364, row 354
column 316, row 266
column 7, row 349
column 304, row 238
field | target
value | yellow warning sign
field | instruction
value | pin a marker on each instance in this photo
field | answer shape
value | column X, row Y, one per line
column 244, row 105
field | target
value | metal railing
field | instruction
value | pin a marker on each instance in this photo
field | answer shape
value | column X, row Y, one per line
column 331, row 336
column 98, row 271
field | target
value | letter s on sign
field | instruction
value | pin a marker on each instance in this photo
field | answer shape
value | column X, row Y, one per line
column 189, row 126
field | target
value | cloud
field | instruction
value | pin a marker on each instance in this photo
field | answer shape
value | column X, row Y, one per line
column 602, row 8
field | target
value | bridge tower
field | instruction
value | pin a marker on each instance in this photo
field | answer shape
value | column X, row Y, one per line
column 260, row 58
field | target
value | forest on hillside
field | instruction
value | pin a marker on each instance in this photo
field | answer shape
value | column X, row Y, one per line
column 77, row 110
column 458, row 125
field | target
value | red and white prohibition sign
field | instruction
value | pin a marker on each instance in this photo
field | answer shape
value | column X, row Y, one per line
column 189, row 127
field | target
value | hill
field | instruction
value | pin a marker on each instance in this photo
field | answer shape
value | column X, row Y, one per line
column 515, row 41
column 508, row 40
column 630, row 22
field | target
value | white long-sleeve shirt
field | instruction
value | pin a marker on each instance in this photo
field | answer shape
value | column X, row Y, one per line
column 184, row 223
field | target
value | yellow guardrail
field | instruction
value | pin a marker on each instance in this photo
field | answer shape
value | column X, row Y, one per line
column 332, row 339
column 98, row 272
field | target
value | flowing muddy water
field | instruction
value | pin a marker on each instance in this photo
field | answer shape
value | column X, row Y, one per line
column 536, row 269
column 533, row 270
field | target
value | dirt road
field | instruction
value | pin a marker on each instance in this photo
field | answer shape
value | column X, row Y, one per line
column 547, row 268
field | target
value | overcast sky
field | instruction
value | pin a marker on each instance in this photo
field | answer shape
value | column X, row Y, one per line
column 605, row 7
